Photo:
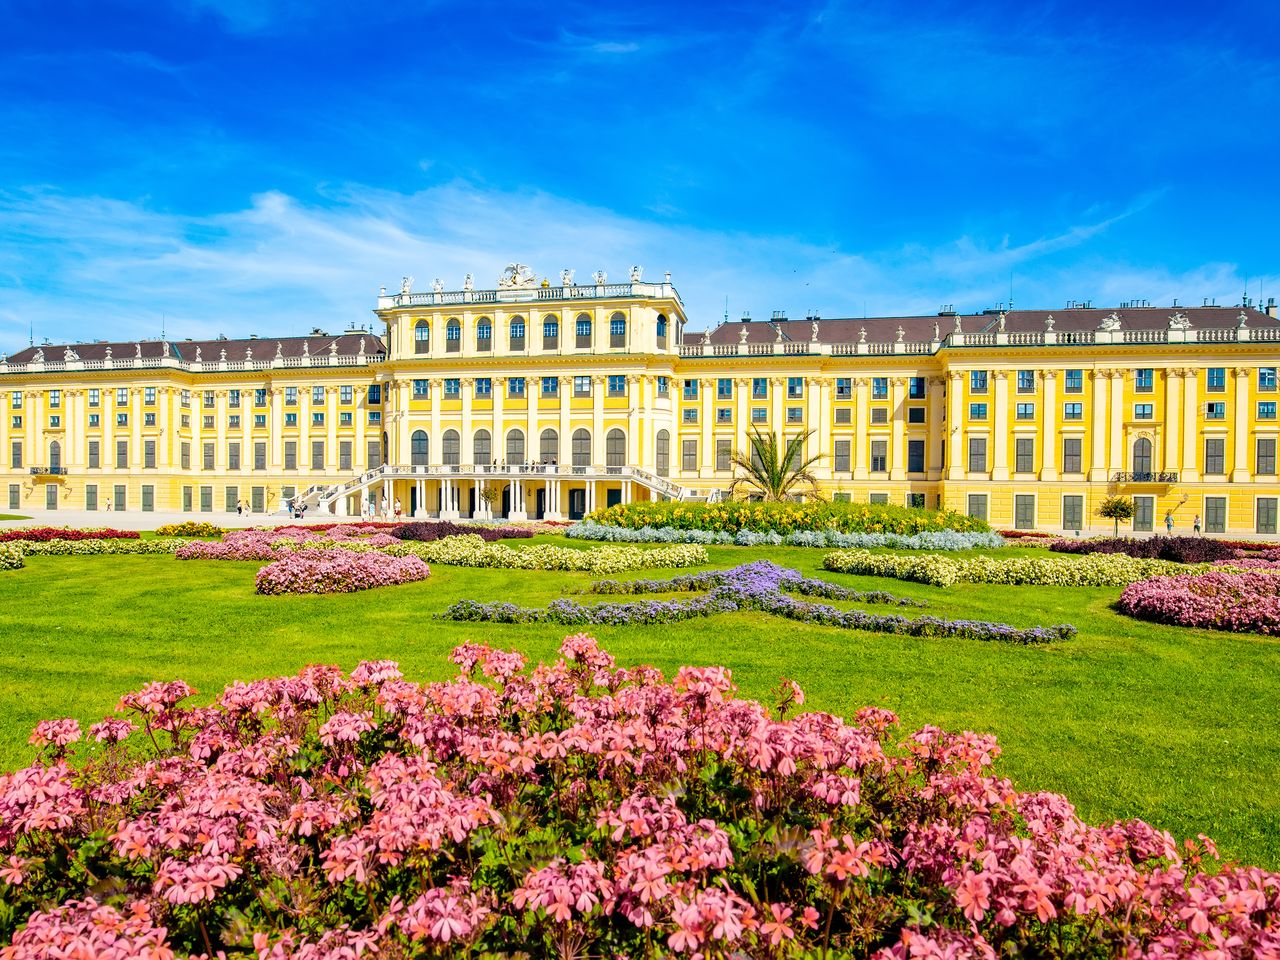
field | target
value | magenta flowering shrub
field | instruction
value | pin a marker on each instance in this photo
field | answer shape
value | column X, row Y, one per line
column 1217, row 599
column 576, row 810
column 337, row 571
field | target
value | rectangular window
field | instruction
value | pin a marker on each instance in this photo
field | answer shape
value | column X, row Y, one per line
column 1217, row 380
column 233, row 456
column 452, row 388
column 260, row 455
column 1266, row 462
column 233, row 421
column 206, row 499
column 375, row 416
column 724, row 389
column 56, row 421
column 233, row 399
column 15, row 455
column 122, row 454
column 15, row 399
column 291, row 419
column 879, row 456
column 122, row 419
column 484, row 387
column 724, row 455
column 1266, row 378
column 879, row 414
column 844, row 415
column 260, row 396
column 843, row 448
column 148, row 454
column 94, row 420
column 260, row 419
column 346, row 394
column 977, row 506
column 844, row 388
column 55, row 397
column 841, row 498
column 1266, row 409
column 421, row 389
column 795, row 388
column 691, row 389
column 186, row 398
column 120, row 500
column 93, row 398
column 1025, row 411
column 1265, row 515
column 1074, row 381
column 915, row 501
column 231, row 496
column 186, row 499
column 1215, row 455
column 1024, row 511
column 878, row 498
column 795, row 414
column 879, row 388
column 617, row 385
column 208, row 400
column 1024, row 455
column 550, row 386
column 90, row 497
column 724, row 414
column 689, row 415
column 375, row 394
column 1073, row 512
column 317, row 395
column 344, row 455
column 515, row 386
column 1217, row 410
column 977, row 454
column 122, row 396
column 207, row 457
column 94, row 455
column 915, row 457
column 373, row 451
column 291, row 455
column 582, row 386
column 582, row 329
column 759, row 388
column 1143, row 411
column 977, row 381
column 148, row 498
column 1026, row 381
column 689, row 456
column 290, row 396
column 185, row 455
column 760, row 414
column 977, row 411
column 1071, row 456
column 1144, row 380
column 1073, row 411
column 916, row 388
column 1215, row 515
column 17, row 422
column 664, row 386
column 317, row 454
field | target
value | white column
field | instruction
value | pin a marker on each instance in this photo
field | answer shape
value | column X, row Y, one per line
column 937, row 429
column 707, row 416
column 1240, row 428
column 499, row 429
column 1172, row 420
column 532, row 389
column 566, row 398
column 331, row 432
column 135, row 421
column 597, row 419
column 898, row 411
column 467, row 453
column 1190, row 432
column 1098, row 437
column 861, row 413
column 742, row 415
column 1049, row 426
column 777, row 421
column 220, row 414
column 955, row 427
column 1118, row 458
column 820, row 411
column 635, row 394
column 436, row 453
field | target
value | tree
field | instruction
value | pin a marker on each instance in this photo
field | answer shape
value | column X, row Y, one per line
column 1117, row 509
column 772, row 472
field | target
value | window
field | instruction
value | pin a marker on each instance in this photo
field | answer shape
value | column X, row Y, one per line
column 291, row 419
column 844, row 415
column 122, row 397
column 795, row 388
column 233, row 399
column 691, row 389
column 1026, row 381
column 516, row 331
column 915, row 457
column 453, row 336
column 317, row 418
column 977, row 381
column 662, row 453
column 795, row 414
column 482, row 448
column 1142, row 457
column 842, row 457
column 93, row 398
column 122, row 454
column 1266, row 409
column 879, row 456
column 1216, row 410
column 724, row 414
column 1075, row 381
column 290, row 396
column 1024, row 511
column 346, row 394
column 344, row 455
column 662, row 330
column 515, row 447
column 94, row 462
column 689, row 415
column 484, row 334
column 1071, row 456
column 550, row 386
column 879, row 388
column 878, row 498
column 582, row 331
column 375, row 394
column 760, row 415
column 617, row 385
column 724, row 389
column 185, row 398
column 844, row 388
column 915, row 501
column 1025, row 411
column 344, row 419
column 977, row 411
column 15, row 453
column 916, row 388
column 373, row 451
column 1144, row 380
column 1073, row 411
column 231, row 498
column 1073, row 512
column 664, row 386
column 1215, row 514
column 1143, row 411
column 879, row 414
column 550, row 333
column 724, row 455
column 421, row 389
column 515, row 386
column 977, row 506
column 260, row 397
column 291, row 454
column 122, row 419
column 977, row 454
column 317, row 395
column 549, row 445
column 16, row 421
column 484, row 387
column 451, row 448
column 1266, row 378
column 1024, row 455
column 55, row 420
column 582, row 386
column 260, row 419
column 689, row 456
column 15, row 399
column 422, row 337
column 581, row 448
column 759, row 388
column 94, row 420
column 1217, row 380
column 233, row 456
column 233, row 421
column 452, row 388
column 207, row 422
column 207, row 457
column 617, row 331
column 1215, row 455
column 55, row 397
column 260, row 455
column 1266, row 462
column 1265, row 515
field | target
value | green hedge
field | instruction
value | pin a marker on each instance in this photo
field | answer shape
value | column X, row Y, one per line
column 785, row 518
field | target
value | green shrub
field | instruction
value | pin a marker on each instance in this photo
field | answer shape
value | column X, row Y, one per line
column 190, row 528
column 785, row 518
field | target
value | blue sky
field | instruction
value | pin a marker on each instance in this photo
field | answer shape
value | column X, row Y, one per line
column 262, row 166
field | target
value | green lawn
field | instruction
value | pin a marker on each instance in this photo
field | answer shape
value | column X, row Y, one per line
column 1178, row 727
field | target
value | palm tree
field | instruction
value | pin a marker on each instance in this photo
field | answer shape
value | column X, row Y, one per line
column 773, row 473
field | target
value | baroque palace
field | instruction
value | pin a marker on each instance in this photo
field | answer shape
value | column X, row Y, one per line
column 549, row 399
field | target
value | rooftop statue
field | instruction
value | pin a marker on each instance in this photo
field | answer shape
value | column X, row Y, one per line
column 600, row 277
column 862, row 334
column 937, row 331
column 437, row 285
column 517, row 276
column 1110, row 323
column 1048, row 323
column 468, row 282
column 566, row 278
column 902, row 334
column 636, row 273
column 197, row 354
column 1179, row 321
column 406, row 285
column 1242, row 321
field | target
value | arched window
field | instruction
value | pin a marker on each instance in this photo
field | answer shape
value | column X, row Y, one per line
column 615, row 449
column 482, row 448
column 582, row 330
column 419, row 447
column 515, row 446
column 422, row 337
column 450, row 445
column 550, row 333
column 549, row 446
column 484, row 334
column 453, row 335
column 663, row 453
column 1142, row 456
column 662, row 330
column 55, row 455
column 582, row 448
column 617, row 330
column 517, row 333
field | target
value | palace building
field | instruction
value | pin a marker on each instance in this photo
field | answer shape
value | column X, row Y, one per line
column 541, row 399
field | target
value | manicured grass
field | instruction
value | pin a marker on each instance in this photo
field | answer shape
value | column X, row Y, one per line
column 1130, row 719
column 13, row 516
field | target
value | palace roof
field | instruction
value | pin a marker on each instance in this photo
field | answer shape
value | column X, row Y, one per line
column 352, row 344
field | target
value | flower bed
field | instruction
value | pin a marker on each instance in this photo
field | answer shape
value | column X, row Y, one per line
column 1094, row 570
column 1178, row 549
column 41, row 534
column 1216, row 599
column 762, row 586
column 471, row 551
column 611, row 810
column 929, row 540
column 190, row 528
column 1027, row 535
column 85, row 548
column 439, row 529
column 11, row 557
column 337, row 571
column 784, row 518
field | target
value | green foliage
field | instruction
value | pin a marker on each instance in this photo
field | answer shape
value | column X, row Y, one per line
column 773, row 472
column 1117, row 509
column 785, row 518
column 190, row 528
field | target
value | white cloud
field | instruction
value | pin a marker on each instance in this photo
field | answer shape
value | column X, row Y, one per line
column 94, row 267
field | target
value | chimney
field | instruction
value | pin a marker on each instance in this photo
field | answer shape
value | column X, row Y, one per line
column 1271, row 306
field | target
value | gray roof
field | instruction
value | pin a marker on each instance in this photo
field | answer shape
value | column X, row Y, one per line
column 348, row 344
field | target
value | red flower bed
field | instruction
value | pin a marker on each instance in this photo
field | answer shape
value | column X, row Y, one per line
column 1026, row 535
column 576, row 810
column 1216, row 599
column 43, row 534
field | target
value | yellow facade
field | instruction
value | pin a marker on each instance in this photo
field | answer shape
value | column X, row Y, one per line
column 539, row 400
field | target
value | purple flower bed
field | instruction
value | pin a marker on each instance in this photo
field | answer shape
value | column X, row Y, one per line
column 1217, row 600
column 438, row 530
column 1177, row 549
column 762, row 586
column 338, row 571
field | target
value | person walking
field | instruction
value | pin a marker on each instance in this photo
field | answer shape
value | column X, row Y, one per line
column 397, row 508
column 1195, row 525
column 1168, row 522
